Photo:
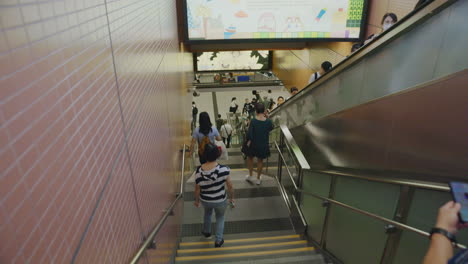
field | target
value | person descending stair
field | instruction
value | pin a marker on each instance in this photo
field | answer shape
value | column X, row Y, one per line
column 210, row 179
column 204, row 134
column 257, row 142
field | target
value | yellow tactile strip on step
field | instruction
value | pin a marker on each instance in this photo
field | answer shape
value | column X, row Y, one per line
column 241, row 240
column 278, row 244
column 246, row 254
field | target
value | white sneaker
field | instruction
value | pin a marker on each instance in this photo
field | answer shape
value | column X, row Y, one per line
column 250, row 178
column 258, row 181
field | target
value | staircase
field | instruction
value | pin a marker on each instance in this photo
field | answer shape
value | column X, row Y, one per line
column 257, row 230
column 288, row 248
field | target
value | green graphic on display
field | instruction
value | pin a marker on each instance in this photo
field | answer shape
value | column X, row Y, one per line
column 355, row 13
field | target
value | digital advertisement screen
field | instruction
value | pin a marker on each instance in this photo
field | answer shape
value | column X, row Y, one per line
column 233, row 60
column 211, row 20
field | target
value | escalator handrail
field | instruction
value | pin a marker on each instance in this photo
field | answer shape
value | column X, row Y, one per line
column 406, row 23
column 294, row 147
column 163, row 219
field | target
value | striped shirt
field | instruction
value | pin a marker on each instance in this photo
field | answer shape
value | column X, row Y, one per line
column 212, row 183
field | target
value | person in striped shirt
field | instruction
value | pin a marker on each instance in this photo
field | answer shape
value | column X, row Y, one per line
column 211, row 181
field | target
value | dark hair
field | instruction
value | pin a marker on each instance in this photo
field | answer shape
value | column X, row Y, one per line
column 211, row 152
column 260, row 108
column 254, row 92
column 294, row 88
column 205, row 123
column 355, row 47
column 233, row 99
column 219, row 115
column 392, row 15
column 280, row 97
column 326, row 66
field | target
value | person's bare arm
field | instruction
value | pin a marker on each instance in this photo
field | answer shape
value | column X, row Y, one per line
column 230, row 189
column 192, row 145
column 219, row 138
column 197, row 195
column 441, row 249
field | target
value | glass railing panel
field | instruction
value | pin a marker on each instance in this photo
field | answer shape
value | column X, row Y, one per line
column 311, row 207
column 356, row 238
column 422, row 215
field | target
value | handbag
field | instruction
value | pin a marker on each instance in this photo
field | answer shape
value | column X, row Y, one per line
column 223, row 154
column 246, row 149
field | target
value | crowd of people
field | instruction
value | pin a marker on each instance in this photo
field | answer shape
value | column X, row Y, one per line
column 212, row 179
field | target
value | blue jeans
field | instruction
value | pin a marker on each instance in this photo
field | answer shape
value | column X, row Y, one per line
column 220, row 209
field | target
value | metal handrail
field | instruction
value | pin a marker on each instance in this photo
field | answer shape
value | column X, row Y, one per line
column 168, row 212
column 403, row 26
column 417, row 184
column 286, row 165
column 363, row 212
column 378, row 217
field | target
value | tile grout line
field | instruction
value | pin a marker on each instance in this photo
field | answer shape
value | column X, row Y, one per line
column 117, row 86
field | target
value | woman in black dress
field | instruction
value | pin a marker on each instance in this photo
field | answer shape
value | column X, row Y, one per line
column 258, row 142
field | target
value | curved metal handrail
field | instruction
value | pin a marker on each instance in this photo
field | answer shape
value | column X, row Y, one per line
column 163, row 219
column 294, row 148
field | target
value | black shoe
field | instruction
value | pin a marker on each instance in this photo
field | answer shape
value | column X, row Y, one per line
column 219, row 244
column 206, row 235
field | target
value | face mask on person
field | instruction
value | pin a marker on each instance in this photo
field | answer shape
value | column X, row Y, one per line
column 387, row 26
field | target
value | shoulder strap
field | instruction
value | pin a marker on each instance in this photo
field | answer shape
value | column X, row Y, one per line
column 316, row 75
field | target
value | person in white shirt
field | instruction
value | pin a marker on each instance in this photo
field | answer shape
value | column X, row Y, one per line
column 233, row 107
column 226, row 133
column 324, row 68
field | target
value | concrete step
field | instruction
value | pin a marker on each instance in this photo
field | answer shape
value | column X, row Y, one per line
column 252, row 247
column 243, row 193
column 244, row 235
column 240, row 241
column 255, row 255
column 306, row 258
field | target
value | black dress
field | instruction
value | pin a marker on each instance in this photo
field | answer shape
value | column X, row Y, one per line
column 259, row 134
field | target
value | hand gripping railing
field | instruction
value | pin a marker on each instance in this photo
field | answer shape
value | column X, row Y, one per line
column 149, row 241
column 289, row 140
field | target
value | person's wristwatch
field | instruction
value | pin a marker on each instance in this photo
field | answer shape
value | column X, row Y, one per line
column 445, row 233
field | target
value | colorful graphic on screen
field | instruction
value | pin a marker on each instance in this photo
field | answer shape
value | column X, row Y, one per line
column 460, row 193
column 273, row 19
column 233, row 60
